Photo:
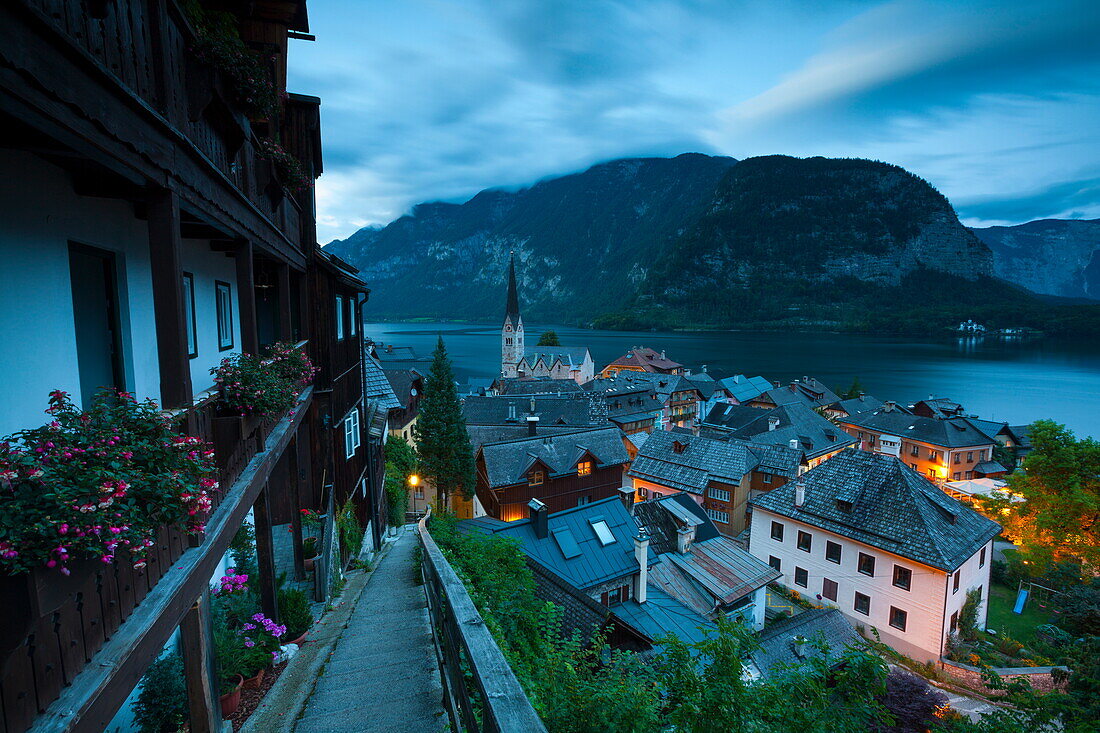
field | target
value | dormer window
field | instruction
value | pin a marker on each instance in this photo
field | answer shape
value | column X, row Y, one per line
column 678, row 447
column 584, row 468
column 535, row 478
column 844, row 506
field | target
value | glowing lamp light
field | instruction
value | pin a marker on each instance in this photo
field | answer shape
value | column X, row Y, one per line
column 414, row 480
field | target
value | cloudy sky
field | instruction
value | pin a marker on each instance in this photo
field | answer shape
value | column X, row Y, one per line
column 996, row 103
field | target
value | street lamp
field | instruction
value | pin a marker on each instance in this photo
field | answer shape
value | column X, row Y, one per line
column 414, row 481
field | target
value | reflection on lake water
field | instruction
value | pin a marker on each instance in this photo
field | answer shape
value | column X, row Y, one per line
column 1015, row 380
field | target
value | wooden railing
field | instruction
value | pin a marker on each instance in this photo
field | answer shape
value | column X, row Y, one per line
column 55, row 625
column 494, row 701
column 147, row 47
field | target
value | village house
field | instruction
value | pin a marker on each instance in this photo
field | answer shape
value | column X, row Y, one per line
column 711, row 391
column 720, row 476
column 580, row 410
column 940, row 408
column 795, row 425
column 551, row 362
column 561, row 470
column 146, row 235
column 941, row 449
column 632, row 408
column 807, row 390
column 853, row 406
column 408, row 388
column 870, row 536
column 532, row 387
column 700, row 567
column 743, row 390
column 676, row 399
column 643, row 359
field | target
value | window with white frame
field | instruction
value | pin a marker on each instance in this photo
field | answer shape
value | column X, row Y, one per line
column 223, row 300
column 717, row 516
column 352, row 327
column 339, row 317
column 719, row 494
column 352, row 437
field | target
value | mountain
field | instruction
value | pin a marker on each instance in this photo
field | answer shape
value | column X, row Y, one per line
column 1051, row 256
column 695, row 241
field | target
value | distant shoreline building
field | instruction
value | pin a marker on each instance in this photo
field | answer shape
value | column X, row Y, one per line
column 553, row 362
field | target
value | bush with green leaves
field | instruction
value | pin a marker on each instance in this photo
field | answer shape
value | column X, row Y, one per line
column 349, row 530
column 400, row 464
column 295, row 612
column 162, row 696
column 968, row 615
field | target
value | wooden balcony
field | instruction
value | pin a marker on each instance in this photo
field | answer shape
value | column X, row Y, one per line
column 72, row 648
column 126, row 90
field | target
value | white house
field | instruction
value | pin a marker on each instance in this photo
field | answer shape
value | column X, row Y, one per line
column 870, row 536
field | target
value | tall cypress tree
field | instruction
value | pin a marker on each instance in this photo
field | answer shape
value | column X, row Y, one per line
column 446, row 458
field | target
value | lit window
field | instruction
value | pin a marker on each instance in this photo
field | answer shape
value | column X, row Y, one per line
column 866, row 564
column 189, row 314
column 898, row 618
column 903, row 577
column 584, row 468
column 832, row 552
column 352, row 437
column 339, row 317
column 828, row 589
column 862, row 604
column 777, row 531
column 801, row 577
column 223, row 300
column 603, row 532
column 805, row 541
column 535, row 478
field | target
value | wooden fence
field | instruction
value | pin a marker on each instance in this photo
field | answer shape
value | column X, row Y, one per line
column 467, row 653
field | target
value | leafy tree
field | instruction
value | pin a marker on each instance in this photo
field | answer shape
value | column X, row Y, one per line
column 853, row 391
column 162, row 696
column 1060, row 483
column 968, row 614
column 400, row 464
column 1080, row 608
column 446, row 458
column 549, row 338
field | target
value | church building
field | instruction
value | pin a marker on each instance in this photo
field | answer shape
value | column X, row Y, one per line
column 553, row 362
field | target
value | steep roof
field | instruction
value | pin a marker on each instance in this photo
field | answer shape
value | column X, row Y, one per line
column 571, row 548
column 826, row 626
column 806, row 390
column 892, row 507
column 646, row 359
column 483, row 434
column 490, row 410
column 508, row 462
column 571, row 356
column 511, row 308
column 663, row 384
column 745, row 388
column 526, row 386
column 376, row 386
column 854, row 405
column 954, row 432
column 689, row 463
column 402, row 382
column 813, row 434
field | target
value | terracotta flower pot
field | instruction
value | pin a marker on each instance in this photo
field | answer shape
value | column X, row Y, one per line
column 230, row 701
column 298, row 642
column 253, row 683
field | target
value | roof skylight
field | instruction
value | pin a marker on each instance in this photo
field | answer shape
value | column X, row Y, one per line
column 603, row 532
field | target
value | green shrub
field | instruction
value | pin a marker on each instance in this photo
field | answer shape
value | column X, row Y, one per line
column 968, row 615
column 162, row 696
column 295, row 612
column 349, row 529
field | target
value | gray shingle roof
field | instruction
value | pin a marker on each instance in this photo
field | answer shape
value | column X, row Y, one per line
column 893, row 508
column 524, row 386
column 698, row 462
column 854, row 405
column 376, row 386
column 483, row 434
column 956, row 432
column 663, row 384
column 595, row 563
column 507, row 463
column 815, row 435
column 402, row 382
column 569, row 355
column 576, row 411
column 816, row 625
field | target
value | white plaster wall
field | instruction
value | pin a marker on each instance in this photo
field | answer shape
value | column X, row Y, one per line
column 207, row 267
column 39, row 216
column 924, row 602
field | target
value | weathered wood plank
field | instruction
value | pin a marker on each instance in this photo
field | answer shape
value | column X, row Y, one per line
column 265, row 554
column 195, row 647
column 166, row 263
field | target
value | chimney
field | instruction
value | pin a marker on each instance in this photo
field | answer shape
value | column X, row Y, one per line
column 532, row 405
column 773, row 423
column 737, row 378
column 777, row 384
column 793, row 443
column 641, row 554
column 511, row 412
column 704, row 369
column 684, row 537
column 798, row 645
column 662, row 353
column 626, row 495
column 889, row 405
column 799, row 494
column 862, row 396
column 540, row 517
column 389, row 348
column 532, row 425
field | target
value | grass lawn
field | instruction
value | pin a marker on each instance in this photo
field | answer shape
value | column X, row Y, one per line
column 1020, row 627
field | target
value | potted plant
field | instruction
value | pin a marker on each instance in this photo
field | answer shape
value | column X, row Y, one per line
column 260, row 639
column 230, row 658
column 230, row 697
column 295, row 609
column 161, row 705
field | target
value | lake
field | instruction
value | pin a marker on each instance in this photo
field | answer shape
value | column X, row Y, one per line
column 998, row 380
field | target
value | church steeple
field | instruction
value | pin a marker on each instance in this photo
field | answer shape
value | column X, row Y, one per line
column 511, row 333
column 512, row 308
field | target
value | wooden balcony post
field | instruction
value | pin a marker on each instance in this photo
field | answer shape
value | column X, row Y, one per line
column 165, row 254
column 246, row 299
column 195, row 645
column 286, row 327
column 296, row 474
column 265, row 555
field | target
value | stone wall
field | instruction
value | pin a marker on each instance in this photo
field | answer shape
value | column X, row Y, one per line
column 1041, row 678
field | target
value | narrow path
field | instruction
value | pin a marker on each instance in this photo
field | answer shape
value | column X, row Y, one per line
column 382, row 676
